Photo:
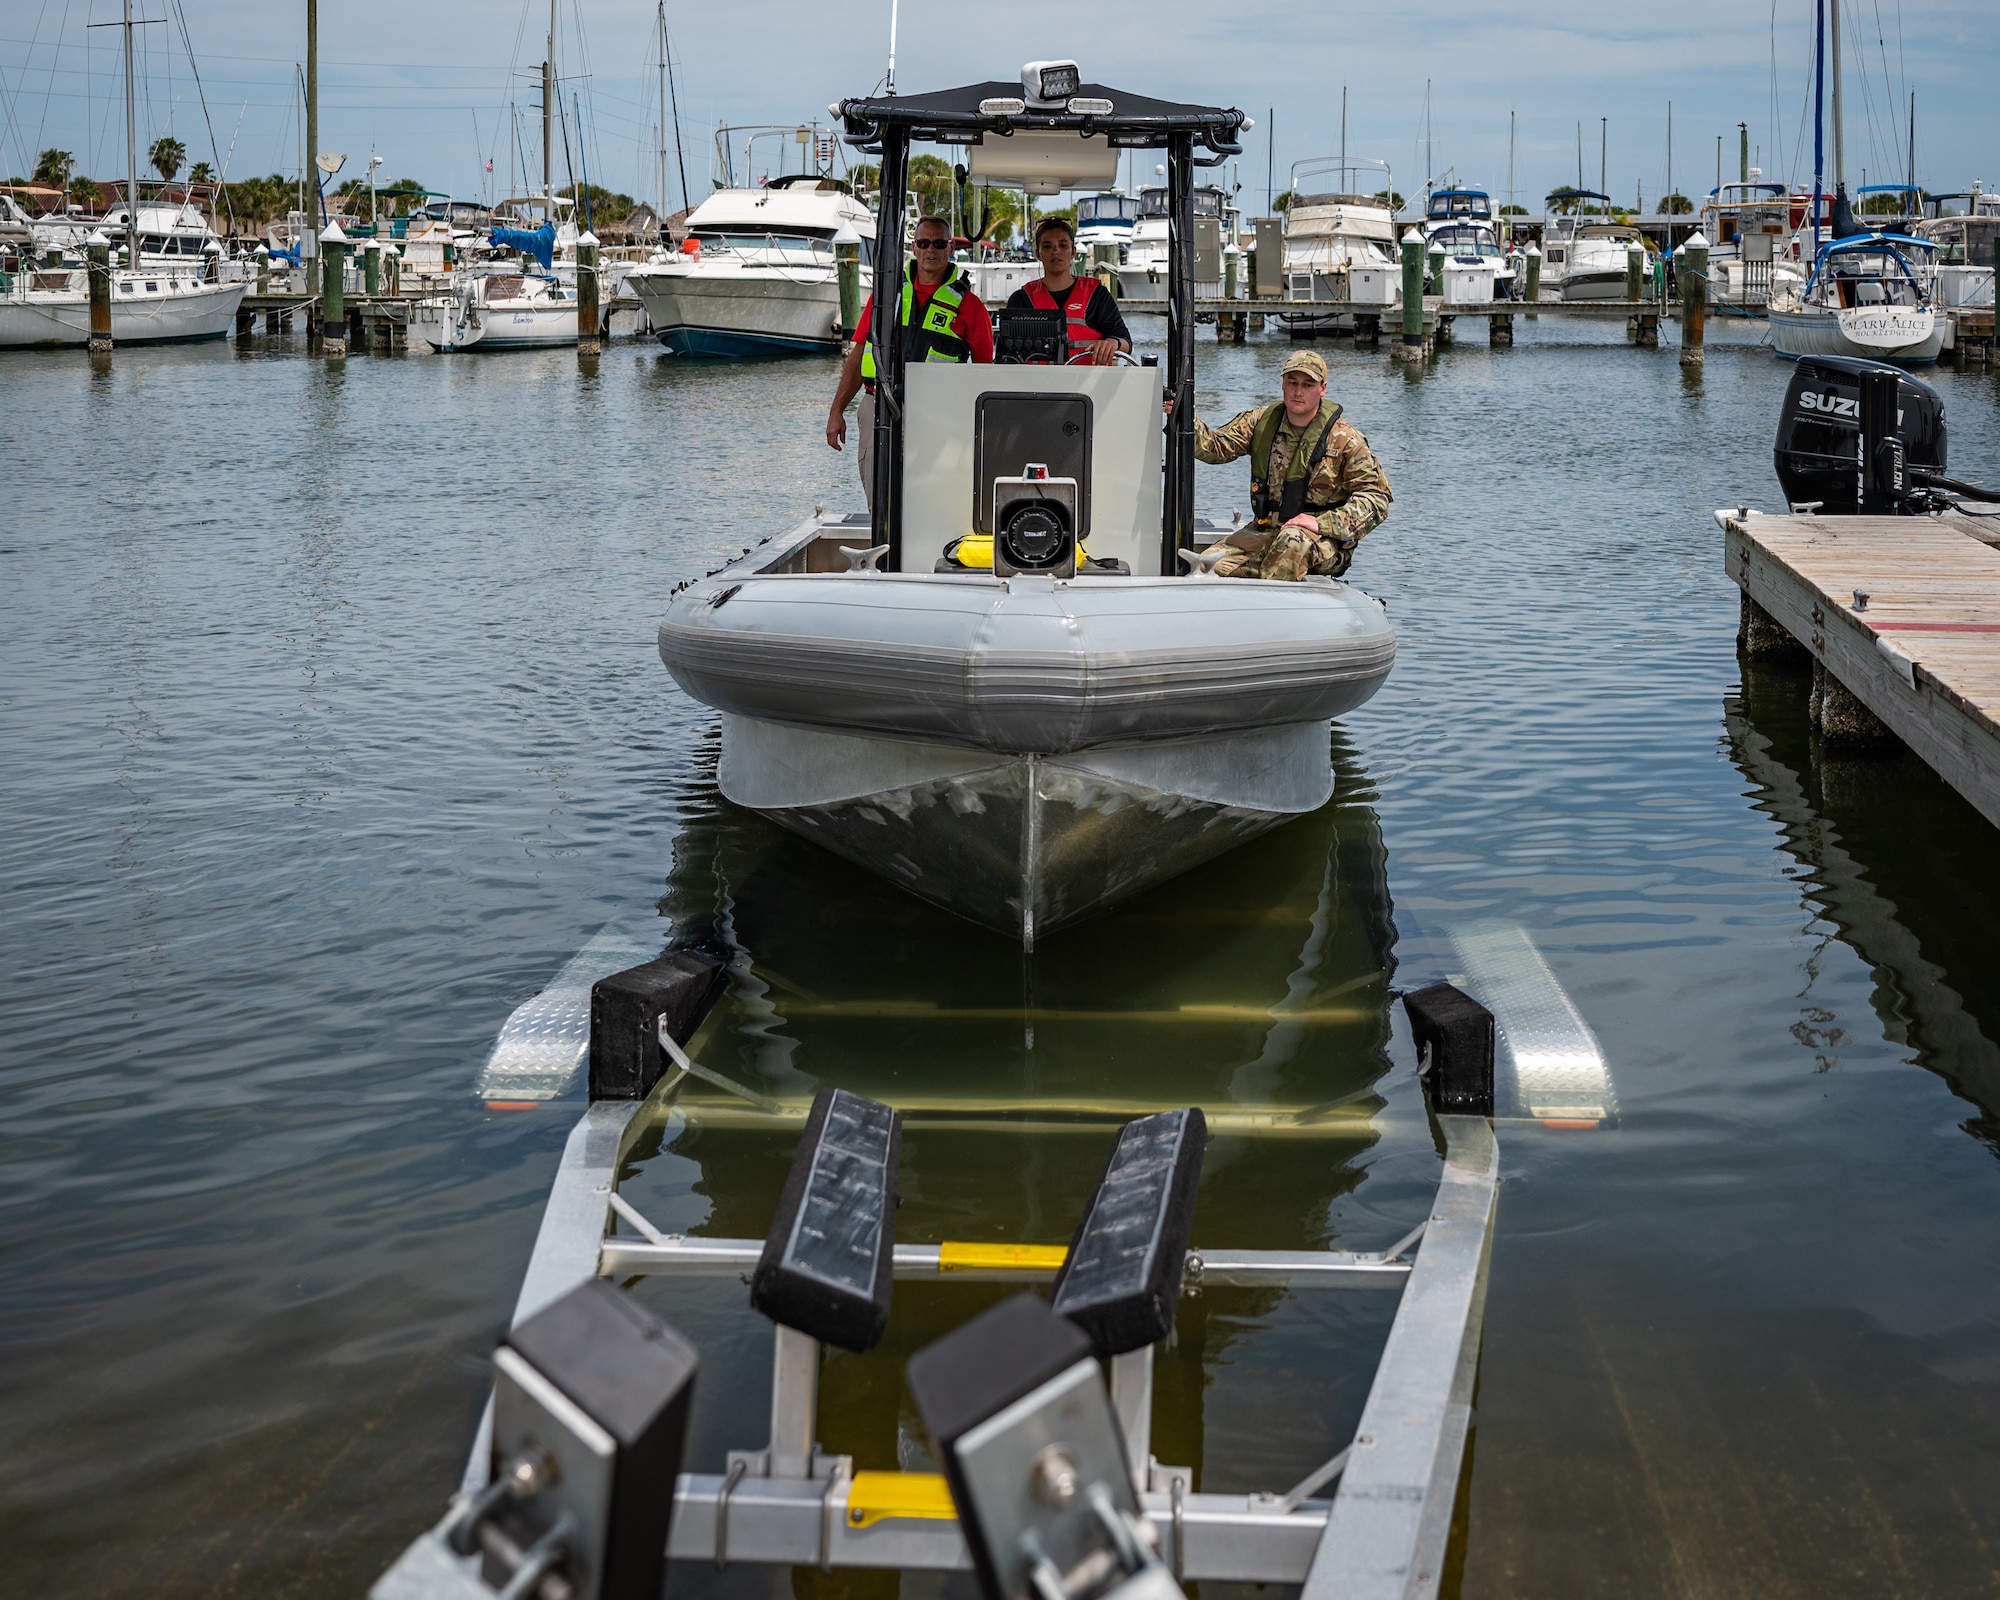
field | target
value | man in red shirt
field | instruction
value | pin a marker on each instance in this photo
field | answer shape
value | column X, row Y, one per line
column 942, row 320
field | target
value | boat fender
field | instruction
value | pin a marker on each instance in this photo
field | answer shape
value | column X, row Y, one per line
column 828, row 1261
column 1454, row 1038
column 1121, row 1280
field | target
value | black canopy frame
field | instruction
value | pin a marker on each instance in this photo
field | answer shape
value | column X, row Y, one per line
column 1192, row 136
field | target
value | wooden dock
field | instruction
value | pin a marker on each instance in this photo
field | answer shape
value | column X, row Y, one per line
column 1902, row 614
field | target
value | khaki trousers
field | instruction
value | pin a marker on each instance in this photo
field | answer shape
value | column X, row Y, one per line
column 864, row 445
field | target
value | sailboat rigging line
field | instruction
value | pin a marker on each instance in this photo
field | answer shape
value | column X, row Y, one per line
column 583, row 155
column 180, row 13
column 62, row 27
column 569, row 169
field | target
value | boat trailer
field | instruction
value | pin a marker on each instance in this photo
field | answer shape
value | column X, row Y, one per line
column 574, row 1490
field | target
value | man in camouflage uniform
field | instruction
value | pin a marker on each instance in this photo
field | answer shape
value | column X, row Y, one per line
column 1315, row 486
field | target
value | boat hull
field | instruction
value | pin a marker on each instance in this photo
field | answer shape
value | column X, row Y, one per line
column 1872, row 333
column 187, row 312
column 1595, row 284
column 496, row 328
column 728, row 312
column 1025, row 844
column 1025, row 751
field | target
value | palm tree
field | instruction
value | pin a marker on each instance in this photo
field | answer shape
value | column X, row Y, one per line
column 201, row 172
column 54, row 167
column 167, row 155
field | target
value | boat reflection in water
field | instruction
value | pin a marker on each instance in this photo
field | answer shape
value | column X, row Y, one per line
column 1903, row 867
column 1255, row 987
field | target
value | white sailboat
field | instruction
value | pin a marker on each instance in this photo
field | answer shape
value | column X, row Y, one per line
column 496, row 308
column 756, row 275
column 170, row 298
column 1871, row 295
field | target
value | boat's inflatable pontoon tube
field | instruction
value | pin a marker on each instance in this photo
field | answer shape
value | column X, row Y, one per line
column 1026, row 666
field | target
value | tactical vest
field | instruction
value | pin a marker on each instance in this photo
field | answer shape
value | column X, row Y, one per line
column 931, row 338
column 1306, row 457
column 1072, row 306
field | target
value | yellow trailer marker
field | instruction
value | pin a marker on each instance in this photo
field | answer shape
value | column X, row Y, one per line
column 956, row 1255
column 874, row 1497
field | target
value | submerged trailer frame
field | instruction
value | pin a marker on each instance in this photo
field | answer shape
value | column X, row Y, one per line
column 1382, row 1532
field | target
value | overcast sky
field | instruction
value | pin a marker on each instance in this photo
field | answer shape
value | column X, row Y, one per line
column 428, row 86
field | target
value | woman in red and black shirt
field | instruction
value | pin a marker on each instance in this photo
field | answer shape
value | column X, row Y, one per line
column 1095, row 328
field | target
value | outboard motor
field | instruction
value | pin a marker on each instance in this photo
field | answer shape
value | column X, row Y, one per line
column 1860, row 438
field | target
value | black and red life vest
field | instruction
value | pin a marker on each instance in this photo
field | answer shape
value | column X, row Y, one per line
column 1073, row 305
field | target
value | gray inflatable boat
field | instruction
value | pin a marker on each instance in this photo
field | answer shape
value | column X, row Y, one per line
column 1021, row 750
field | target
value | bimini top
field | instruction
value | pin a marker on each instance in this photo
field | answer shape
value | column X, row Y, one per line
column 967, row 115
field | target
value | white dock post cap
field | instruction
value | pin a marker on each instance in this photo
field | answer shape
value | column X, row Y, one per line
column 97, row 236
column 1534, row 249
column 845, row 233
column 586, row 237
column 333, row 235
column 1413, row 237
column 1694, row 241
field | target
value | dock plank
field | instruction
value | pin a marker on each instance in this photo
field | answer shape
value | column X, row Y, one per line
column 1924, row 653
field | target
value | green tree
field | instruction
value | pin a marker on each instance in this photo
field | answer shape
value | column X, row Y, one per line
column 85, row 192
column 1513, row 211
column 201, row 172
column 55, row 167
column 167, row 155
column 1388, row 198
column 1675, row 205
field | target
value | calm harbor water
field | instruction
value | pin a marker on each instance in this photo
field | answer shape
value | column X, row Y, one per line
column 333, row 727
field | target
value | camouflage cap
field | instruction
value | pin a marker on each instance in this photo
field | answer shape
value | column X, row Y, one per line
column 1310, row 362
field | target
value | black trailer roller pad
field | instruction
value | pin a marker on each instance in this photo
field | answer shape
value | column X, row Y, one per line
column 1122, row 1278
column 826, row 1264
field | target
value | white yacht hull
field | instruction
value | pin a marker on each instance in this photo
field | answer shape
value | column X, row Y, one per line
column 1150, row 283
column 179, row 310
column 728, row 311
column 1872, row 333
column 1595, row 284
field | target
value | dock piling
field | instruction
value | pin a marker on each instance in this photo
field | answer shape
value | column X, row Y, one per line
column 333, row 296
column 1534, row 259
column 1499, row 330
column 1693, row 275
column 1635, row 271
column 847, row 268
column 97, row 252
column 1410, row 347
column 263, row 269
column 586, row 295
column 371, row 268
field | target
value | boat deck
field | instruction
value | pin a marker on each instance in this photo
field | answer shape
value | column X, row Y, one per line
column 1905, row 613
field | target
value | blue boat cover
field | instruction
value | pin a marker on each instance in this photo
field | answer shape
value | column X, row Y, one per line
column 541, row 243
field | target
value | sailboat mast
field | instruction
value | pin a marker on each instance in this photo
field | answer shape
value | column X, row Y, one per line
column 548, row 115
column 131, row 154
column 1839, row 133
column 1819, row 115
column 663, row 112
column 1343, row 132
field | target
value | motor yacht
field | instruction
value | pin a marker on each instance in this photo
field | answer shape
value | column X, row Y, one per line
column 1106, row 218
column 1965, row 228
column 756, row 274
column 1143, row 273
column 1085, row 712
column 1340, row 241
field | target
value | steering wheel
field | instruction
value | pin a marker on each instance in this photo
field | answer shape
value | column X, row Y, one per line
column 1124, row 358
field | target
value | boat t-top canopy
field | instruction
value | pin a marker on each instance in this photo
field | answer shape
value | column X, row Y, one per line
column 1046, row 131
column 1574, row 197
